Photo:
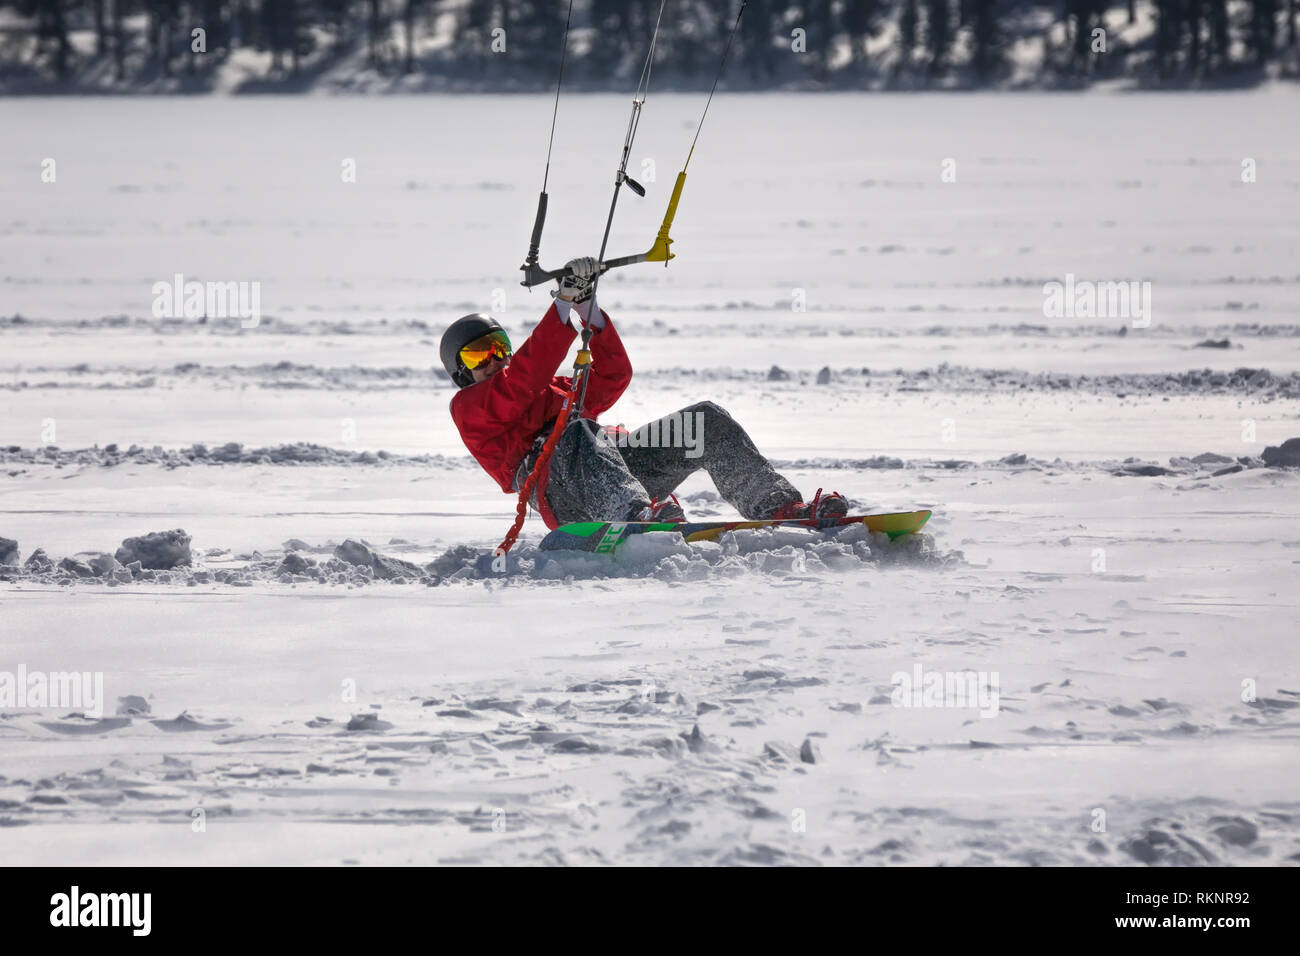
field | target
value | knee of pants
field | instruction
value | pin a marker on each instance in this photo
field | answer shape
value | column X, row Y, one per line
column 708, row 408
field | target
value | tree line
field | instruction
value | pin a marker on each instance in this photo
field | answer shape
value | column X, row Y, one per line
column 495, row 44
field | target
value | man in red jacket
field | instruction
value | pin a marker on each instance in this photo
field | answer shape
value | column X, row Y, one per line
column 508, row 403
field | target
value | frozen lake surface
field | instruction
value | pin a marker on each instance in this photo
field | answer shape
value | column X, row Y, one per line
column 1139, row 614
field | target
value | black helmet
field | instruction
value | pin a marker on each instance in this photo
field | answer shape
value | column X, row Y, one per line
column 458, row 335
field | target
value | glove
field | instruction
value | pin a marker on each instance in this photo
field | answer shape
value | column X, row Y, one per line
column 576, row 287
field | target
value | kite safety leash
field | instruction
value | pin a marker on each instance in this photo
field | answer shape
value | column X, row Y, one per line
column 526, row 492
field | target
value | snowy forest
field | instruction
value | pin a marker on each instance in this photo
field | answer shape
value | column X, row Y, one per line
column 294, row 45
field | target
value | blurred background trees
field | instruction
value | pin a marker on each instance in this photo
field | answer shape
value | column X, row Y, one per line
column 514, row 44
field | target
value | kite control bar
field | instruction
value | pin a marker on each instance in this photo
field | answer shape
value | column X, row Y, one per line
column 533, row 272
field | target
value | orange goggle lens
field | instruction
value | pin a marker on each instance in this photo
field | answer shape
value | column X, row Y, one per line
column 485, row 348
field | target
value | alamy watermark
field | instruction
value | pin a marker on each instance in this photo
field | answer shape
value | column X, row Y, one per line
column 179, row 299
column 678, row 430
column 1085, row 299
column 129, row 910
column 73, row 690
column 963, row 690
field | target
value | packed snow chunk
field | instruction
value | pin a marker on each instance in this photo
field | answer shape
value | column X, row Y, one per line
column 354, row 552
column 549, row 569
column 385, row 568
column 101, row 563
column 642, row 552
column 38, row 562
column 838, row 555
column 8, row 552
column 77, row 568
column 452, row 560
column 796, row 560
column 295, row 563
column 682, row 567
column 752, row 540
column 492, row 565
column 157, row 550
column 911, row 549
column 850, row 534
column 1285, row 455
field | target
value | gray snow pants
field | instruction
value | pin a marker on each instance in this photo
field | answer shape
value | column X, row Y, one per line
column 597, row 475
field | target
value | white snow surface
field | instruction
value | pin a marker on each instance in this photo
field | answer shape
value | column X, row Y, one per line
column 677, row 704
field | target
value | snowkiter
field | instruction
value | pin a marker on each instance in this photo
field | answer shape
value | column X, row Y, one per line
column 508, row 402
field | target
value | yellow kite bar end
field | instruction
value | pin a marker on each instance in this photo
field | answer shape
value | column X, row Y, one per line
column 659, row 251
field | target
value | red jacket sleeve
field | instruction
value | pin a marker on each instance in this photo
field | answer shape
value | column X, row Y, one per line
column 611, row 370
column 513, row 389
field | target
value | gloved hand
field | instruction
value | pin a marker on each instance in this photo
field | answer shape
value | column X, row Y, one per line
column 576, row 287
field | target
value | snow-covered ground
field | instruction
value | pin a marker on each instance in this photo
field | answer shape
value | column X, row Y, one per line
column 1105, row 539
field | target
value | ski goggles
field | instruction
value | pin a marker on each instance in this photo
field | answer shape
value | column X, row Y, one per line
column 495, row 344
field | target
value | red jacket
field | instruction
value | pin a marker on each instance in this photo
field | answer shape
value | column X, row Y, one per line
column 500, row 418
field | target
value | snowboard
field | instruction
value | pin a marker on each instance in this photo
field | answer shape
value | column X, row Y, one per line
column 602, row 537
